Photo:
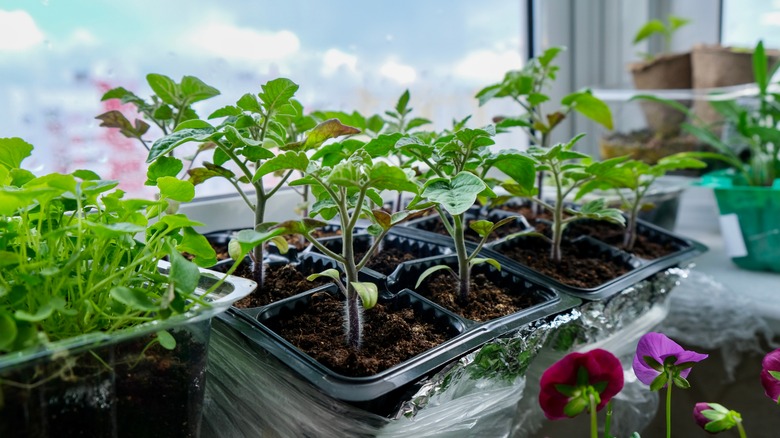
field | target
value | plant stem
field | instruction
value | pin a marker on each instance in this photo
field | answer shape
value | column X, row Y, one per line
column 741, row 429
column 629, row 239
column 594, row 421
column 669, row 407
column 352, row 309
column 557, row 237
column 608, row 420
column 464, row 270
column 257, row 252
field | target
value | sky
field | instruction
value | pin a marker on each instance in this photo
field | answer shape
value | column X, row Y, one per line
column 58, row 56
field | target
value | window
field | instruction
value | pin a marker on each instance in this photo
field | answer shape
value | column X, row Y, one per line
column 58, row 57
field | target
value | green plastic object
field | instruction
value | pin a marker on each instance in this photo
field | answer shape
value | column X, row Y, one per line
column 756, row 212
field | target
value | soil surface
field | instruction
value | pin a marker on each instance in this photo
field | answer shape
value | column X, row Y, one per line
column 486, row 299
column 612, row 234
column 281, row 281
column 389, row 336
column 388, row 259
column 579, row 267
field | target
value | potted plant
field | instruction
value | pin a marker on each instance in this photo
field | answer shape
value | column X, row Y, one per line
column 748, row 192
column 98, row 336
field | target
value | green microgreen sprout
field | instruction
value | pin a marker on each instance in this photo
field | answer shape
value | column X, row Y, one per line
column 658, row 27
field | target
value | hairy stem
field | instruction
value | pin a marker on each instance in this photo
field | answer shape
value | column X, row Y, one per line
column 464, row 270
column 352, row 307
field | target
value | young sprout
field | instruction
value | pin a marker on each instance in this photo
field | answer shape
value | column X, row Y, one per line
column 657, row 27
column 259, row 131
column 637, row 177
column 347, row 192
column 459, row 163
column 527, row 87
column 569, row 171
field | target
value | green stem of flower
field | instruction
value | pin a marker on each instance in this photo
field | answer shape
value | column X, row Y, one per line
column 741, row 430
column 608, row 420
column 669, row 407
column 594, row 422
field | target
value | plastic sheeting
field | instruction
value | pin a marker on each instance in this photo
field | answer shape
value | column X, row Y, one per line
column 490, row 392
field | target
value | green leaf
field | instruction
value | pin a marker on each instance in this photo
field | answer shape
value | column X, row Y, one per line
column 7, row 331
column 575, row 407
column 775, row 374
column 416, row 123
column 652, row 363
column 330, row 273
column 134, row 298
column 195, row 90
column 122, row 94
column 659, row 382
column 681, row 383
column 163, row 166
column 196, row 244
column 430, row 271
column 368, row 293
column 289, row 160
column 276, row 93
column 382, row 145
column 85, row 175
column 677, row 22
column 194, row 124
column 521, row 168
column 248, row 102
column 567, row 390
column 760, row 67
column 168, row 143
column 326, row 130
column 184, row 274
column 166, row 340
column 199, row 175
column 593, row 108
column 281, row 244
column 384, row 176
column 492, row 262
column 482, row 227
column 115, row 119
column 13, row 151
column 403, row 101
column 650, row 28
column 249, row 239
column 549, row 55
column 456, row 195
column 114, row 230
column 164, row 87
column 176, row 189
column 225, row 111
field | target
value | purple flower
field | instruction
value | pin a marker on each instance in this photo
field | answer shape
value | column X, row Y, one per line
column 715, row 418
column 568, row 385
column 770, row 373
column 656, row 354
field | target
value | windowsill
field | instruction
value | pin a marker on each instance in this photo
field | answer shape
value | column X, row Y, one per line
column 698, row 220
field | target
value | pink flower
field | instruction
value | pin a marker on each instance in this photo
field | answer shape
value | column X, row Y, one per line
column 770, row 373
column 568, row 385
column 656, row 353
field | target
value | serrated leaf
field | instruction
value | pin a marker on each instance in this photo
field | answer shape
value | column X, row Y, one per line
column 168, row 143
column 195, row 90
column 277, row 92
column 384, row 176
column 382, row 145
column 165, row 88
column 225, row 111
column 248, row 102
column 368, row 293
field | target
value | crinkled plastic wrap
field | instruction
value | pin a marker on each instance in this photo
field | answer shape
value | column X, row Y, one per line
column 490, row 392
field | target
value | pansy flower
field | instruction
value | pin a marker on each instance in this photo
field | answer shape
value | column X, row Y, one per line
column 715, row 418
column 659, row 359
column 570, row 385
column 770, row 375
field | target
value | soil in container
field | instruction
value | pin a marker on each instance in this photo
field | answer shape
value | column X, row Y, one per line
column 486, row 299
column 612, row 234
column 390, row 336
column 580, row 266
column 281, row 281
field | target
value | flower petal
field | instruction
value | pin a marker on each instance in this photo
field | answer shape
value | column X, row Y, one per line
column 771, row 385
column 659, row 347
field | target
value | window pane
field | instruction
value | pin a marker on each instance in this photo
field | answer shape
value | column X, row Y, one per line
column 58, row 57
column 745, row 22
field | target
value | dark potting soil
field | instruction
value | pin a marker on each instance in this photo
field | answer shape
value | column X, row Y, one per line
column 389, row 337
column 280, row 282
column 612, row 234
column 578, row 266
column 486, row 300
column 388, row 259
column 157, row 393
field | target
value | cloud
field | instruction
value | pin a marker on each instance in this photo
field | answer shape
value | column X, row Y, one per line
column 487, row 66
column 771, row 19
column 18, row 32
column 228, row 41
column 403, row 74
column 334, row 60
